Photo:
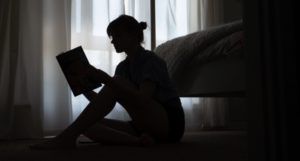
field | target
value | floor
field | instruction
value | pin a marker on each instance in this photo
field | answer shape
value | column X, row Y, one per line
column 200, row 146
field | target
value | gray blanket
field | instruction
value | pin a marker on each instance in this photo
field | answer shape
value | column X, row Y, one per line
column 205, row 45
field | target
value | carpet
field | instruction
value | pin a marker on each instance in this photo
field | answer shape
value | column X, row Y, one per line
column 200, row 146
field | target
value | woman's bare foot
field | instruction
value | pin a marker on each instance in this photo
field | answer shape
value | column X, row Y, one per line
column 146, row 140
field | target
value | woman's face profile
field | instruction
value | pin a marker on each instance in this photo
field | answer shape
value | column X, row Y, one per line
column 121, row 41
column 117, row 42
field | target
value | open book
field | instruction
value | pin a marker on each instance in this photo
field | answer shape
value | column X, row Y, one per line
column 73, row 64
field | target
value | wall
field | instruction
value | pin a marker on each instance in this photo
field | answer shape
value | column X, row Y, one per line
column 233, row 10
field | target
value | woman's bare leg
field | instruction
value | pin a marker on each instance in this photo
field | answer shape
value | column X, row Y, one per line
column 95, row 111
column 148, row 116
column 117, row 132
column 112, row 132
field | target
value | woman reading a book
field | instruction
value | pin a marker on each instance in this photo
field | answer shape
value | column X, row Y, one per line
column 141, row 84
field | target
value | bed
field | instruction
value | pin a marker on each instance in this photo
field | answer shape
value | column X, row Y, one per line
column 207, row 63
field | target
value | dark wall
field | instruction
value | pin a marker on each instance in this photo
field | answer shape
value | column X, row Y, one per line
column 272, row 78
column 233, row 10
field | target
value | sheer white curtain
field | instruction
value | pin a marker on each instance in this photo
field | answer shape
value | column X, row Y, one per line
column 47, row 22
column 176, row 18
column 211, row 13
column 56, row 38
column 35, row 100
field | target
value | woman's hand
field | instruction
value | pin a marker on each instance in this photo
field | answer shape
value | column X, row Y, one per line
column 91, row 95
column 97, row 74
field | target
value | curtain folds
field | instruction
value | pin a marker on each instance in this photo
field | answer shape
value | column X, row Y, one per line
column 56, row 36
column 35, row 99
column 211, row 13
column 9, row 17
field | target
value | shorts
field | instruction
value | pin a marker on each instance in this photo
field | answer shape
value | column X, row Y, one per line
column 176, row 120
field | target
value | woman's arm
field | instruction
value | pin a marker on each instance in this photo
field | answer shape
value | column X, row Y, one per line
column 125, row 89
column 91, row 95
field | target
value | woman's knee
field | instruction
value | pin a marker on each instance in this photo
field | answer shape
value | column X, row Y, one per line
column 123, row 81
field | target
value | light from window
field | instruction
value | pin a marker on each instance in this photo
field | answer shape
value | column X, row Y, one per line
column 78, row 16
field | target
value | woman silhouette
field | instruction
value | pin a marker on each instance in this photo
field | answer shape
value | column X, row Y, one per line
column 141, row 84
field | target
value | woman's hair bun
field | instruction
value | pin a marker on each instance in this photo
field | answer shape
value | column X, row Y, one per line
column 143, row 25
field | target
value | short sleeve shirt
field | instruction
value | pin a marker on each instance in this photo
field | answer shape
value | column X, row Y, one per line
column 148, row 66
